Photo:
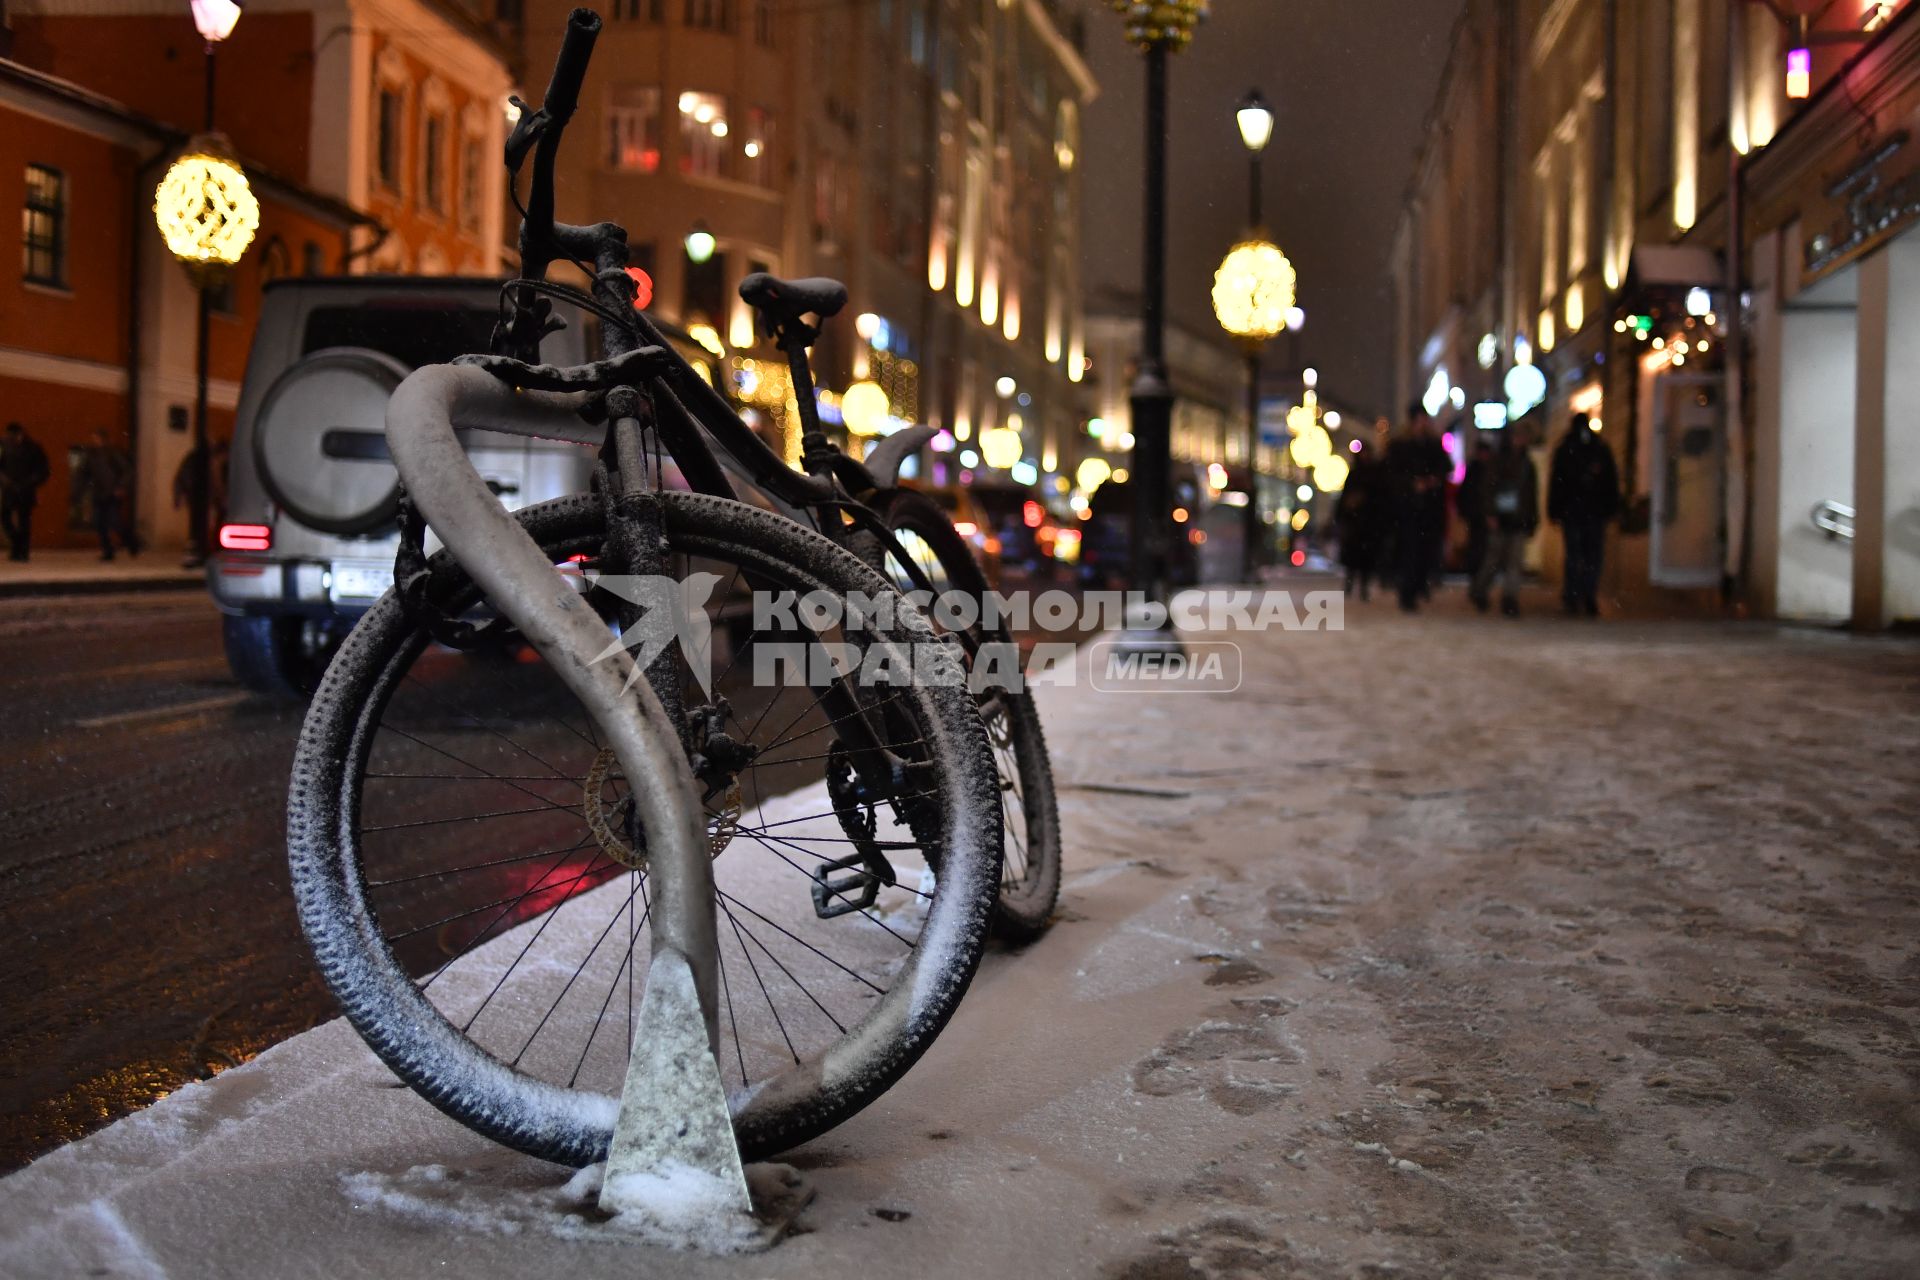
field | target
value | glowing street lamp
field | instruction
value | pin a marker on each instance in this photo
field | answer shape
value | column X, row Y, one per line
column 207, row 215
column 699, row 244
column 865, row 408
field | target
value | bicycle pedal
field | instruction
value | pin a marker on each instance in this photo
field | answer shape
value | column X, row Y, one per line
column 831, row 897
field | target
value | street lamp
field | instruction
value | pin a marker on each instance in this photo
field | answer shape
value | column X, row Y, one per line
column 1253, row 298
column 1158, row 28
column 207, row 215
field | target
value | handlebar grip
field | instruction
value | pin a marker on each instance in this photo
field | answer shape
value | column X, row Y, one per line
column 570, row 68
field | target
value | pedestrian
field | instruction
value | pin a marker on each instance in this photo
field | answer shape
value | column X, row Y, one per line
column 1583, row 494
column 191, row 482
column 107, row 474
column 1471, row 498
column 23, row 469
column 1506, row 511
column 1361, row 516
column 1418, row 465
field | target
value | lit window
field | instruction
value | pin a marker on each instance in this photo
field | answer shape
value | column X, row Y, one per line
column 703, row 133
column 44, row 224
column 633, row 129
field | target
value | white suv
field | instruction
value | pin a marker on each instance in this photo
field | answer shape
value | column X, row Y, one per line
column 309, row 537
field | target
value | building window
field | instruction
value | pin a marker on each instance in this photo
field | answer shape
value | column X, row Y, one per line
column 711, row 14
column 633, row 128
column 638, row 10
column 703, row 133
column 44, row 227
column 763, row 23
column 313, row 259
column 433, row 164
column 387, row 143
column 472, row 184
column 756, row 162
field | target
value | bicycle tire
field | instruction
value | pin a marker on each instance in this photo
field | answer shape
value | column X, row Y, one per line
column 405, row 1028
column 1030, row 883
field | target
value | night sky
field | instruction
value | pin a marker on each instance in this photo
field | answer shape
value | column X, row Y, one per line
column 1350, row 85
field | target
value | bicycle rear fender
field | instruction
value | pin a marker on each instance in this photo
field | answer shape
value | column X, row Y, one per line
column 884, row 459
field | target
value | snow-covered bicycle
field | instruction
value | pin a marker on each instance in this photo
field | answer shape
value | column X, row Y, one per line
column 492, row 855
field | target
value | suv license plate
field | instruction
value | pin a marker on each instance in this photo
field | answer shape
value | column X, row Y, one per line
column 360, row 581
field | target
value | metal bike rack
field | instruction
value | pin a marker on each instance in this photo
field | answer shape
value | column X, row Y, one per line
column 673, row 1117
column 1835, row 519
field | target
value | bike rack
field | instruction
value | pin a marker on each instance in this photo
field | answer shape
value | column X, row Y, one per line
column 673, row 1150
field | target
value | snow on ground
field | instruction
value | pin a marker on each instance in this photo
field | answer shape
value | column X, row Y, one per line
column 1444, row 946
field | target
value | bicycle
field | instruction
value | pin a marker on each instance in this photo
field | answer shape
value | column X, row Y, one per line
column 657, row 782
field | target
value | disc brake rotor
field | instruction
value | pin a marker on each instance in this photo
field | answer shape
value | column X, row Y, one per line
column 607, row 817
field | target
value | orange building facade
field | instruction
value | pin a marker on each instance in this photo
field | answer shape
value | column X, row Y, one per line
column 371, row 132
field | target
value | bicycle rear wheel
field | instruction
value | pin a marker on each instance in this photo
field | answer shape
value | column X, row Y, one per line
column 470, row 875
column 1030, row 878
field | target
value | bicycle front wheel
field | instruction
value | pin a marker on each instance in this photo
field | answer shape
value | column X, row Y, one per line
column 471, row 873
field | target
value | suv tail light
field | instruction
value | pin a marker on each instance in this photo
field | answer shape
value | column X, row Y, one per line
column 246, row 537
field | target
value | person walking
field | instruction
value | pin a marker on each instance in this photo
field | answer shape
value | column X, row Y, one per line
column 1506, row 512
column 1468, row 500
column 1583, row 494
column 1418, row 465
column 23, row 469
column 1361, row 516
column 107, row 474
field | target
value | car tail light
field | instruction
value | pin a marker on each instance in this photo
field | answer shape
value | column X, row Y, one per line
column 246, row 537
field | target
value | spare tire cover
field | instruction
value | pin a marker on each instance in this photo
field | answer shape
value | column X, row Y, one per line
column 320, row 440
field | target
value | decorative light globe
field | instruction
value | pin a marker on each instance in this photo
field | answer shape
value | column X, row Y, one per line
column 1253, row 290
column 865, row 409
column 205, row 208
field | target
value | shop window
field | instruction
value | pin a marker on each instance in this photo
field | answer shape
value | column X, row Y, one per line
column 703, row 133
column 44, row 227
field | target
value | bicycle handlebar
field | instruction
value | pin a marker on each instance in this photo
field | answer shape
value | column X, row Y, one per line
column 570, row 68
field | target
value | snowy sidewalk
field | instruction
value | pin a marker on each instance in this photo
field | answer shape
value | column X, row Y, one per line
column 66, row 571
column 1445, row 945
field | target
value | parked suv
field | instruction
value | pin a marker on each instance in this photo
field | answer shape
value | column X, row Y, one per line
column 309, row 538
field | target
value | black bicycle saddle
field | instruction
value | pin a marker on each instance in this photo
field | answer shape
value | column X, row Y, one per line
column 782, row 300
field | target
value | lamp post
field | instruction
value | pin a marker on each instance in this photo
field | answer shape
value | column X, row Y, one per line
column 207, row 215
column 1255, row 120
column 1157, row 28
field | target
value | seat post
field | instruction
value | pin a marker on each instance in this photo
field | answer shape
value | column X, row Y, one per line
column 816, row 451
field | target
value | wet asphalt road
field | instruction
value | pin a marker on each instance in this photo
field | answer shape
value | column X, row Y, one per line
column 150, row 938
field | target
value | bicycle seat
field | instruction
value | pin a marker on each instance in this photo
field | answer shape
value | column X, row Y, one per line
column 783, row 300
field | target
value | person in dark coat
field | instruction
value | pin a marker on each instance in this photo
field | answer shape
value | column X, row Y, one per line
column 1583, row 494
column 1361, row 516
column 1507, row 511
column 107, row 474
column 1468, row 501
column 1418, row 465
column 23, row 469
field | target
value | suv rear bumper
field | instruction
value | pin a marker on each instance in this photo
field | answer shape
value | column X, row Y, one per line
column 258, row 584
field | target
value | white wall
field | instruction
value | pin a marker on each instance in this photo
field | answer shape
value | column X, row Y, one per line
column 1894, row 509
column 1817, row 377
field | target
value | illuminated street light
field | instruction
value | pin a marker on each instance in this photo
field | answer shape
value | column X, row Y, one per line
column 207, row 215
column 1001, row 447
column 1252, row 291
column 700, row 244
column 1255, row 120
column 865, row 409
column 1296, row 319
